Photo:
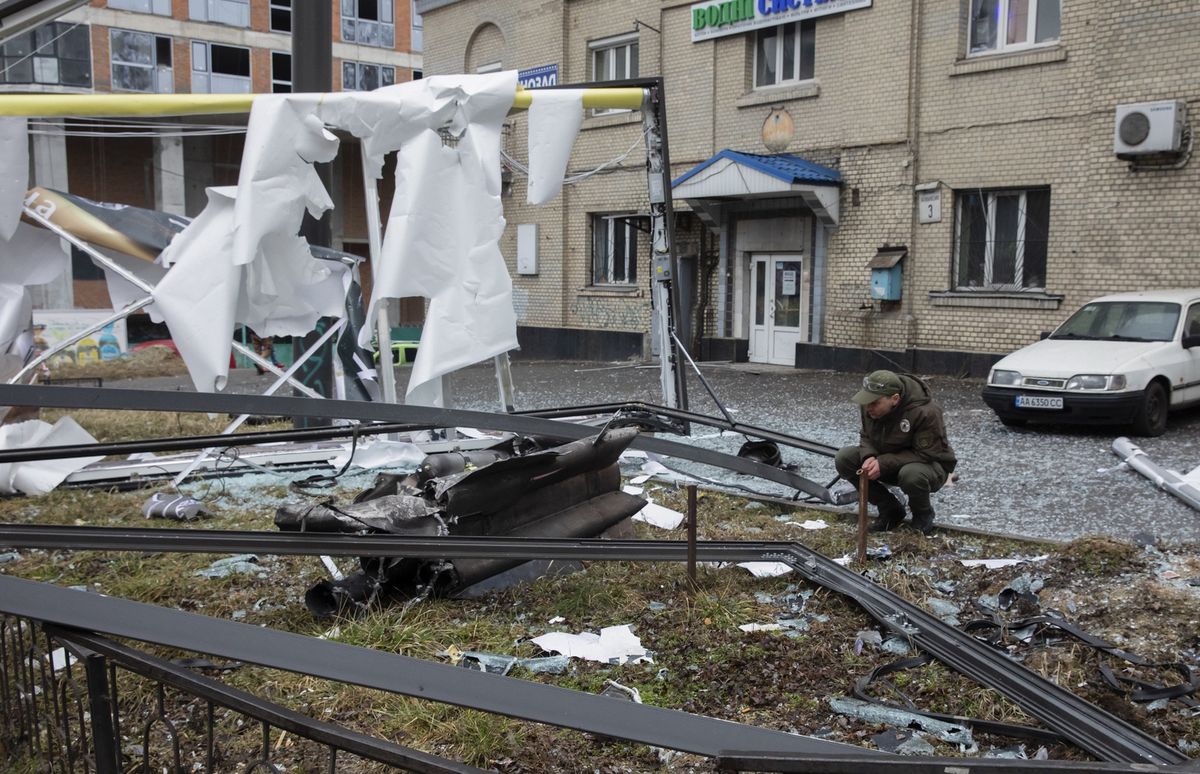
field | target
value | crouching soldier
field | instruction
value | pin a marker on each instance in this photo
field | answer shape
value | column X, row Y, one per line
column 902, row 443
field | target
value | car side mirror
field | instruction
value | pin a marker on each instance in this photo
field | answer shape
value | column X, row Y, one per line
column 1191, row 341
column 1044, row 335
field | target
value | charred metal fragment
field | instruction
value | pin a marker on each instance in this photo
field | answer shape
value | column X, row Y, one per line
column 566, row 492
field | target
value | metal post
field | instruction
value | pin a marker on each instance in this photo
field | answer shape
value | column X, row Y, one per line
column 383, row 326
column 101, row 708
column 504, row 378
column 863, row 483
column 664, row 263
column 312, row 71
column 691, row 533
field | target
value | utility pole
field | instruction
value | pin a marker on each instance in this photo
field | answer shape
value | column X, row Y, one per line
column 312, row 72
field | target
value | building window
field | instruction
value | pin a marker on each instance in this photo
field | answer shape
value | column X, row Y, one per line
column 281, row 15
column 784, row 54
column 614, row 249
column 281, row 72
column 160, row 7
column 361, row 76
column 368, row 22
column 141, row 62
column 1002, row 238
column 235, row 13
column 218, row 69
column 1005, row 25
column 615, row 59
column 55, row 54
column 418, row 29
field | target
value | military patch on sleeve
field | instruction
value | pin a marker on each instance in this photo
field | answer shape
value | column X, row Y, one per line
column 905, row 426
column 924, row 440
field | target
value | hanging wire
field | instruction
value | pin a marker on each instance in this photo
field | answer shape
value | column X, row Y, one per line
column 523, row 170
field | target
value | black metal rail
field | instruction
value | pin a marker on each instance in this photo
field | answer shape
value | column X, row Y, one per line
column 816, row 447
column 399, row 674
column 215, row 692
column 825, row 764
column 159, row 400
column 1085, row 724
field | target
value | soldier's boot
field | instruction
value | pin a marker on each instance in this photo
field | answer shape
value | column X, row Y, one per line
column 891, row 514
column 922, row 521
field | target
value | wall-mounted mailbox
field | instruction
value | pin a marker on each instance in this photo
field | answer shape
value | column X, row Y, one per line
column 886, row 273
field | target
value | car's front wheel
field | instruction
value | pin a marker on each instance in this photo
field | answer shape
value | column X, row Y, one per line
column 1151, row 416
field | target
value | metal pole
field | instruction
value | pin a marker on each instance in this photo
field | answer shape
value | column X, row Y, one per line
column 383, row 326
column 863, row 483
column 100, row 706
column 504, row 378
column 691, row 534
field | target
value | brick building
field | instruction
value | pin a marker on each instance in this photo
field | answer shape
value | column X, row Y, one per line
column 190, row 46
column 961, row 152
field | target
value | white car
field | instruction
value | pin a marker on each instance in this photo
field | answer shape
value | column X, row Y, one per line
column 1125, row 359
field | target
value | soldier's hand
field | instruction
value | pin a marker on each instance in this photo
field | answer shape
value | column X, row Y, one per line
column 870, row 466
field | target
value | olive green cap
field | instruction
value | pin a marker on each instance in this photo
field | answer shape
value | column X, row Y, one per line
column 876, row 385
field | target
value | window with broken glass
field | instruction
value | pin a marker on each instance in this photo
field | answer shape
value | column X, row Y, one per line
column 141, row 62
column 614, row 249
column 55, row 54
column 1007, row 25
column 363, row 76
column 369, row 22
column 235, row 13
column 784, row 54
column 218, row 69
column 160, row 7
column 281, row 72
column 1002, row 239
column 281, row 15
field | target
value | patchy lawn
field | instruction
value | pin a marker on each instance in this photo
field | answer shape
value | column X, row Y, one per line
column 1137, row 598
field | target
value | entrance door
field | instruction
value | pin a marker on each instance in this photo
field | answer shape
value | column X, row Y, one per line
column 777, row 321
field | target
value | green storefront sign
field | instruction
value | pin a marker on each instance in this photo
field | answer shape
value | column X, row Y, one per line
column 730, row 17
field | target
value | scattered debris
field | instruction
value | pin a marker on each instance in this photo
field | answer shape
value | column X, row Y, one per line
column 1186, row 488
column 242, row 563
column 995, row 564
column 766, row 569
column 171, row 506
column 613, row 645
column 876, row 713
column 379, row 453
column 659, row 516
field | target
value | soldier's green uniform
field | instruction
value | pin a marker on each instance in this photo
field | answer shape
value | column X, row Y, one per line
column 910, row 444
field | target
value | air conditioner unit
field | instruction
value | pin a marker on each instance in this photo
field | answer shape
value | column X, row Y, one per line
column 1149, row 127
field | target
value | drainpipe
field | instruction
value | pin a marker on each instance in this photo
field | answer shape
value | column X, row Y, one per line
column 914, row 147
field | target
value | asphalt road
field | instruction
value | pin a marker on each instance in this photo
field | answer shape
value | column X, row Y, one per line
column 1045, row 482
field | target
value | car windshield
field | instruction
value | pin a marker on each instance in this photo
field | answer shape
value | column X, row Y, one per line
column 1122, row 321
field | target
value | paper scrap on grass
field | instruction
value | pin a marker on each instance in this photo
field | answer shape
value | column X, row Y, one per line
column 810, row 524
column 380, row 453
column 659, row 516
column 766, row 569
column 613, row 645
column 757, row 627
column 633, row 490
column 994, row 564
column 14, row 172
column 555, row 116
column 41, row 476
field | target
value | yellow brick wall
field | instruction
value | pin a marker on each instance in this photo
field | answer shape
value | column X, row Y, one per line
column 1039, row 118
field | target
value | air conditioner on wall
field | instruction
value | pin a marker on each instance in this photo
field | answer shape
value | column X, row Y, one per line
column 1149, row 127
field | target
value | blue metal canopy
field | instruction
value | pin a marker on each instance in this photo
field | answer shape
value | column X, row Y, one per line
column 783, row 166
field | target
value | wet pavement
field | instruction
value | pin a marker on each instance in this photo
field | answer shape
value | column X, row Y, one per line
column 1045, row 482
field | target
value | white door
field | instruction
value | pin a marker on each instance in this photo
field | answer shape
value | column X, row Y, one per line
column 777, row 320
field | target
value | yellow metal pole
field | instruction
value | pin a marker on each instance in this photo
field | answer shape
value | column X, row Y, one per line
column 59, row 105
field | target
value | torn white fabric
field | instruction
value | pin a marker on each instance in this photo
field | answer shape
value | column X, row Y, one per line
column 443, row 233
column 206, row 291
column 122, row 292
column 381, row 453
column 41, row 476
column 659, row 516
column 277, row 181
column 16, row 316
column 14, row 173
column 614, row 645
column 554, row 120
